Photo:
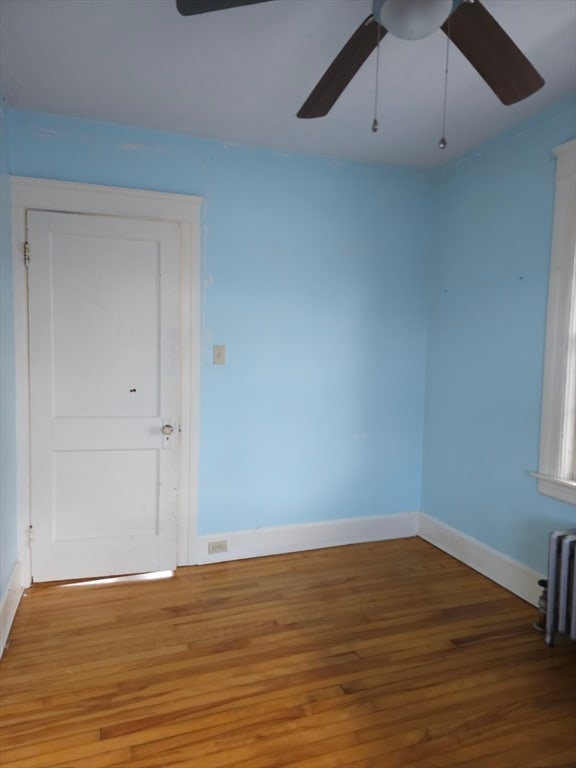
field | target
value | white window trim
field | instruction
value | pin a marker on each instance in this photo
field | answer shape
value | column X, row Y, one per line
column 557, row 438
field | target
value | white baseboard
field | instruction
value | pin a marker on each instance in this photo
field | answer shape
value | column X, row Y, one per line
column 296, row 538
column 504, row 570
column 9, row 604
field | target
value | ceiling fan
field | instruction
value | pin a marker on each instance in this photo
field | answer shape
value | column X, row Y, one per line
column 467, row 23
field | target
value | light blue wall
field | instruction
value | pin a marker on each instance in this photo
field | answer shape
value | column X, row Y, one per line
column 314, row 278
column 486, row 340
column 317, row 276
column 8, row 544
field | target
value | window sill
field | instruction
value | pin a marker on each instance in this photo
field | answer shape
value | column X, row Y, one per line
column 563, row 490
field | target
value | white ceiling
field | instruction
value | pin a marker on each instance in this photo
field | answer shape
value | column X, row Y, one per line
column 241, row 75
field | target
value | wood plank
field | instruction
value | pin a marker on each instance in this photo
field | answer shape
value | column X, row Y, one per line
column 381, row 655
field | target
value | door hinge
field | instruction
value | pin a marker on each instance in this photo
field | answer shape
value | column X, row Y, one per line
column 26, row 254
column 30, row 536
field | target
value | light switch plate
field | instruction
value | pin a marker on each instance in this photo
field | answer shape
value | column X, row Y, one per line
column 219, row 354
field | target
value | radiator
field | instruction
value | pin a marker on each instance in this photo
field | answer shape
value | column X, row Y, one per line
column 561, row 598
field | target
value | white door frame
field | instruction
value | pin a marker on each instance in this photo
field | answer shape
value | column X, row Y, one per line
column 71, row 197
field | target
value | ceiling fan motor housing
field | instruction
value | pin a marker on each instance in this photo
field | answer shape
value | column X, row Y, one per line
column 412, row 19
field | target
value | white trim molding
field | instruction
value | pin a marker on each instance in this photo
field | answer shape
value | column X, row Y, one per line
column 297, row 538
column 509, row 573
column 505, row 571
column 556, row 471
column 185, row 210
column 9, row 603
column 563, row 490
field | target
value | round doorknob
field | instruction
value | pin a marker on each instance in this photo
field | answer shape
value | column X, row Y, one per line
column 167, row 429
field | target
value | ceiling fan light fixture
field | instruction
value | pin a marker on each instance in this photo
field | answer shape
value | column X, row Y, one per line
column 413, row 19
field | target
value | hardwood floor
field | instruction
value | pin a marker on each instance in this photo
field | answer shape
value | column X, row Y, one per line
column 386, row 655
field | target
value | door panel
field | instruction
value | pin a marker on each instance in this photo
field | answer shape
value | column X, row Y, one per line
column 106, row 311
column 116, row 491
column 103, row 296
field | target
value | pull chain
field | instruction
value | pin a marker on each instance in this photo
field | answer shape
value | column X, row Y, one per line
column 443, row 143
column 375, row 121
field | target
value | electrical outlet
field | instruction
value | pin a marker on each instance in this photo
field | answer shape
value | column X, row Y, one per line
column 216, row 547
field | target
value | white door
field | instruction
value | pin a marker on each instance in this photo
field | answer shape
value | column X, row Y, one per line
column 103, row 303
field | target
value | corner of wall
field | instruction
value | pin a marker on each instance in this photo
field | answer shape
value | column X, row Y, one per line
column 509, row 573
column 8, row 495
column 9, row 602
column 486, row 303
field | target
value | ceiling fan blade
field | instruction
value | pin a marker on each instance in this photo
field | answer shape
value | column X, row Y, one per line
column 343, row 68
column 492, row 53
column 194, row 7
